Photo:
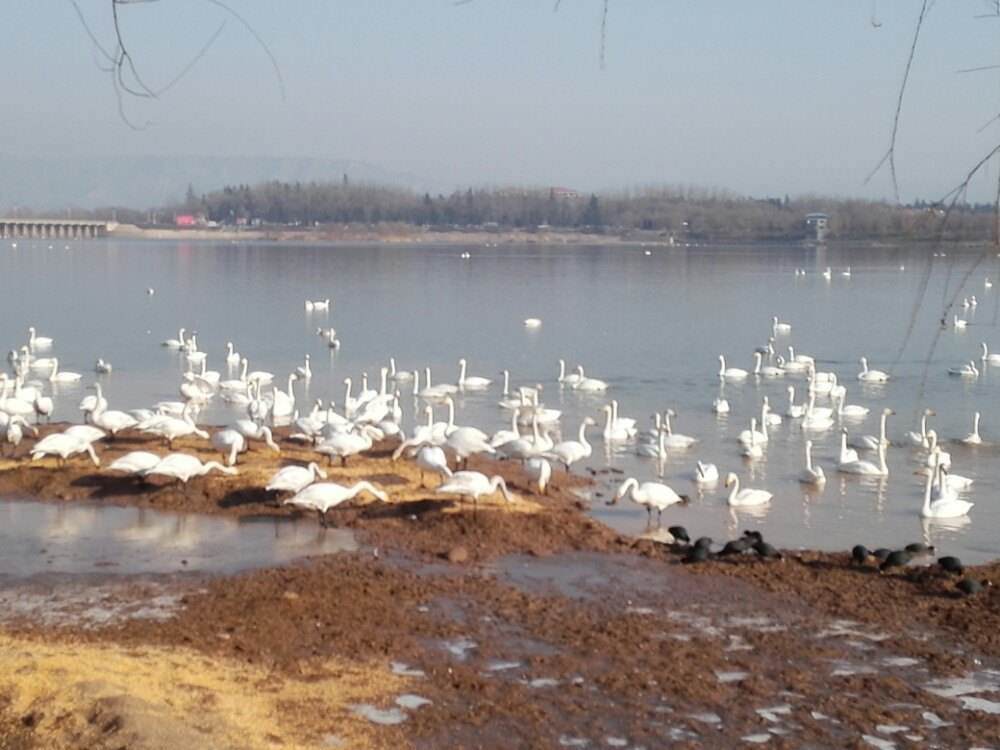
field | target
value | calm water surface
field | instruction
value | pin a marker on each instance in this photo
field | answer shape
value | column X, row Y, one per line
column 652, row 326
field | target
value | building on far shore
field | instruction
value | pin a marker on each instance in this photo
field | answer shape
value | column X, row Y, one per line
column 817, row 225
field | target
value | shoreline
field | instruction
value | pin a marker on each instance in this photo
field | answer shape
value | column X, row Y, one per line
column 526, row 624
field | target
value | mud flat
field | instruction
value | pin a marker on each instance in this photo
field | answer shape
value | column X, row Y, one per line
column 517, row 625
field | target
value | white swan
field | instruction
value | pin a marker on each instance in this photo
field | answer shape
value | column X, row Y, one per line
column 323, row 497
column 872, row 442
column 812, row 474
column 63, row 377
column 177, row 343
column 778, row 326
column 768, row 371
column 991, row 359
column 401, row 376
column 753, row 434
column 965, row 371
column 91, row 403
column 850, row 411
column 436, row 392
column 432, row 458
column 568, row 452
column 345, row 444
column 532, row 322
column 135, row 462
column 871, row 376
column 974, row 438
column 613, row 431
column 294, row 479
column 947, row 506
column 472, row 382
column 747, row 497
column 590, row 385
column 867, row 468
column 652, row 495
column 751, row 446
column 919, row 439
column 794, row 411
column 730, row 373
column 936, row 456
column 705, row 474
column 960, row 323
column 540, row 471
column 570, row 379
column 101, row 367
column 230, row 443
column 304, row 371
column 319, row 305
column 474, row 485
column 675, row 439
column 38, row 342
column 720, row 406
column 64, row 446
column 233, row 357
column 654, row 449
column 113, row 421
column 847, row 455
column 240, row 385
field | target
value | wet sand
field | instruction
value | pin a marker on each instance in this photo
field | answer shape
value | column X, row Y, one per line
column 532, row 628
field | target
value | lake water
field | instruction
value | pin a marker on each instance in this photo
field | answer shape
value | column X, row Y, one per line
column 651, row 325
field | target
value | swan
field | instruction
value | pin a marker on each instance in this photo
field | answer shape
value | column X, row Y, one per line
column 752, row 448
column 571, row 379
column 706, row 473
column 319, row 305
column 590, row 385
column 239, row 385
column 185, row 467
column 192, row 354
column 794, row 365
column 847, row 455
column 505, row 436
column 207, row 378
column 731, row 373
column 467, row 441
column 871, row 442
column 772, row 420
column 974, row 438
column 812, row 474
column 260, row 377
column 753, row 435
column 38, row 342
column 92, row 403
column 779, row 326
column 64, row 446
column 871, row 376
column 947, row 506
column 230, row 443
column 436, row 392
column 113, row 421
column 851, row 411
column 233, row 357
column 283, row 402
column 294, row 479
column 525, row 447
column 675, row 439
column 539, row 470
column 472, row 382
column 402, row 376
column 656, row 449
column 63, row 377
column 474, row 485
column 794, row 411
column 936, row 455
column 44, row 406
column 40, row 363
column 533, row 410
column 920, row 438
column 720, row 406
column 803, row 359
column 746, row 497
column 432, row 458
column 612, row 431
column 816, row 419
column 345, row 444
column 322, row 497
column 568, row 452
column 991, row 359
column 511, row 403
column 253, row 431
column 652, row 435
column 532, row 322
column 828, row 273
column 171, row 428
column 965, row 371
column 768, row 371
column 177, row 343
column 85, row 432
column 867, row 468
column 650, row 494
column 960, row 322
column 987, row 283
column 101, row 367
column 304, row 372
column 135, row 463
column 12, row 431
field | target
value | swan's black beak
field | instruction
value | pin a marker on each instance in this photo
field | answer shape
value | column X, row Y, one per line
column 612, row 501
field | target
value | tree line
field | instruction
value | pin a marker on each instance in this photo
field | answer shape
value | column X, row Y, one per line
column 682, row 212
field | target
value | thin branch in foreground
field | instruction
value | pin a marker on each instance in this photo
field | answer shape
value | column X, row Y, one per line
column 890, row 155
column 263, row 45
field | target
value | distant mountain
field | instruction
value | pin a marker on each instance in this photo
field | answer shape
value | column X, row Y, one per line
column 147, row 181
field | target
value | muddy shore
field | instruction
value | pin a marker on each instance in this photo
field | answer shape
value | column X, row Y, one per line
column 524, row 625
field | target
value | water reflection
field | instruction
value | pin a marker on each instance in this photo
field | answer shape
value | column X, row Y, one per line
column 48, row 538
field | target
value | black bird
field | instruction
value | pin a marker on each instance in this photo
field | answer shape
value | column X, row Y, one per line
column 860, row 554
column 697, row 554
column 767, row 551
column 703, row 541
column 736, row 547
column 753, row 536
column 951, row 565
column 919, row 548
column 680, row 534
column 971, row 587
column 895, row 559
column 881, row 554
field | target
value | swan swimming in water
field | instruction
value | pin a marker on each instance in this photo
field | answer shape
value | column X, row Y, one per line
column 990, row 359
column 730, row 373
column 747, row 497
column 974, row 438
column 38, row 342
column 812, row 474
column 705, row 473
column 947, row 506
column 965, row 371
column 867, row 468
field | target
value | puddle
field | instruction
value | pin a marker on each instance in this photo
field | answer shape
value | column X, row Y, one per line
column 971, row 703
column 756, row 739
column 567, row 741
column 405, row 670
column 502, row 666
column 543, row 682
column 707, row 718
column 978, row 682
column 385, row 717
column 774, row 712
column 725, row 677
column 87, row 606
column 46, row 538
column 616, row 742
column 412, row 702
column 459, row 648
column 878, row 742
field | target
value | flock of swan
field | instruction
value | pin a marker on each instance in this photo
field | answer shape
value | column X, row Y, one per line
column 263, row 399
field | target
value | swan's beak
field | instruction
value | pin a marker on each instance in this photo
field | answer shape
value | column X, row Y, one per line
column 612, row 501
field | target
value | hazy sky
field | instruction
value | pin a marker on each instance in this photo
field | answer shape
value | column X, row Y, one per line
column 765, row 97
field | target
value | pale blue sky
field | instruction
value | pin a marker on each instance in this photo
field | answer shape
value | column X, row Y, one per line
column 763, row 97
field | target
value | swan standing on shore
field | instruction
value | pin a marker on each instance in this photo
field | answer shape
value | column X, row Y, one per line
column 322, row 497
column 294, row 479
column 569, row 452
column 474, row 485
column 649, row 494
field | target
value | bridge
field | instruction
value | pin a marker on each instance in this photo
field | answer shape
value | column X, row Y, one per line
column 48, row 228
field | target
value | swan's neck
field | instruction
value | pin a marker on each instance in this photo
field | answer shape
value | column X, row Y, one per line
column 722, row 365
column 881, row 432
column 666, row 423
column 809, row 462
column 427, row 376
column 461, row 371
column 735, row 490
column 757, row 360
column 347, row 391
column 927, row 491
column 392, row 366
column 562, row 371
column 451, row 413
column 975, row 424
column 881, row 459
column 607, row 420
column 506, row 382
column 583, row 434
